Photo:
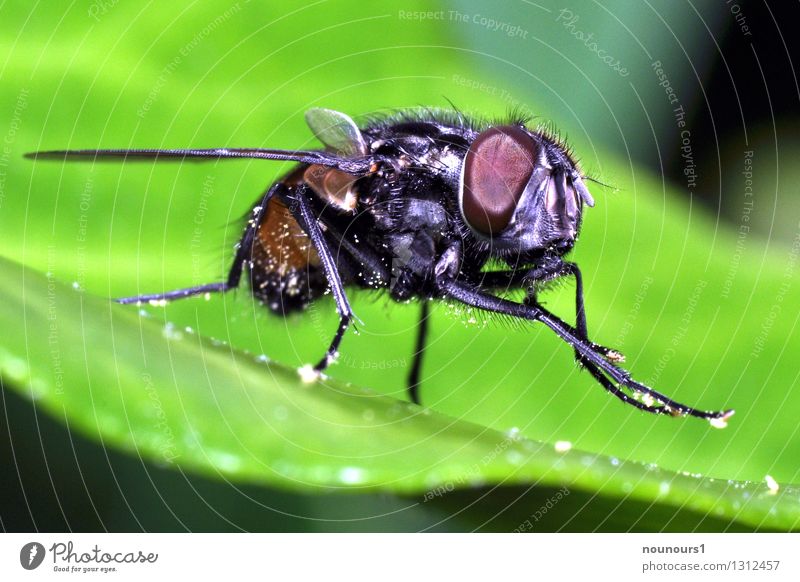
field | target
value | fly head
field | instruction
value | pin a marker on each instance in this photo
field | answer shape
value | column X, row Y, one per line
column 521, row 193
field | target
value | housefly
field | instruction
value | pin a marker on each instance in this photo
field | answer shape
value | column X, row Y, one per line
column 424, row 205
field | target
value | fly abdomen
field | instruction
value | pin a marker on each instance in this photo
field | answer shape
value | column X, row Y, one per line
column 285, row 272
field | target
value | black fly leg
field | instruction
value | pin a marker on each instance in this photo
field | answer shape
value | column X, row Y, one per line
column 416, row 365
column 580, row 317
column 552, row 269
column 562, row 268
column 612, row 378
column 175, row 294
column 301, row 209
column 243, row 253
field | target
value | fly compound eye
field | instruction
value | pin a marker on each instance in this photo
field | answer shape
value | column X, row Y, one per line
column 497, row 168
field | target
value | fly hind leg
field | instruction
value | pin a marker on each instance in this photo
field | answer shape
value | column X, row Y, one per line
column 244, row 251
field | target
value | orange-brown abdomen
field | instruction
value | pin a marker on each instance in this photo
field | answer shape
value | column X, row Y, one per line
column 285, row 271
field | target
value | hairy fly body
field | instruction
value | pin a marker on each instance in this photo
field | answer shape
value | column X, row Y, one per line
column 420, row 205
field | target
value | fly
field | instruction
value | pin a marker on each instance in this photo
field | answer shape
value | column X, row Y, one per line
column 419, row 205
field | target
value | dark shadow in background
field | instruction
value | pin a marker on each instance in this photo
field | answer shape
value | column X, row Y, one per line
column 57, row 481
column 753, row 104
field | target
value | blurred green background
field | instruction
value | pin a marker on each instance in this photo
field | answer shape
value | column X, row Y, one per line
column 694, row 280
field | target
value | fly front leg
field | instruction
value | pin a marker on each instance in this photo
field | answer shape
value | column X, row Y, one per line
column 551, row 269
column 561, row 268
column 615, row 380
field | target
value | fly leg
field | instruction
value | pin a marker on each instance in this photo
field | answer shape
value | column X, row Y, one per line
column 244, row 251
column 549, row 271
column 615, row 380
column 300, row 206
column 416, row 365
column 562, row 268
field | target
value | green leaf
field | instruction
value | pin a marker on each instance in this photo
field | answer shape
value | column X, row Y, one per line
column 702, row 315
column 167, row 394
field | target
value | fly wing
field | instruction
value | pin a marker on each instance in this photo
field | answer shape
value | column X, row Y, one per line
column 337, row 131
